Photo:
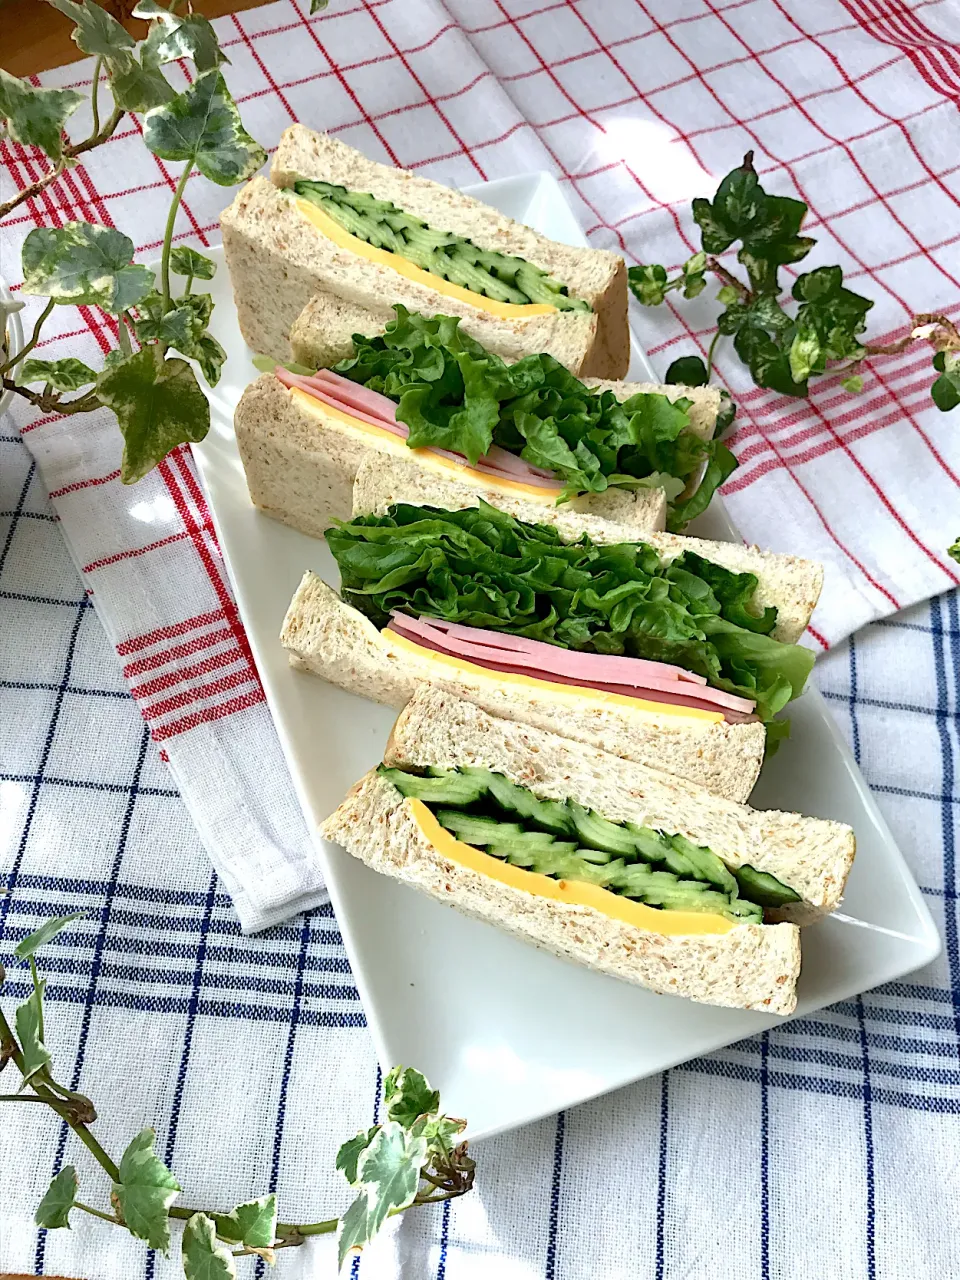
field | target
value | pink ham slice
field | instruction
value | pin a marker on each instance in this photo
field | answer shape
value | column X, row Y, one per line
column 380, row 411
column 610, row 666
column 564, row 666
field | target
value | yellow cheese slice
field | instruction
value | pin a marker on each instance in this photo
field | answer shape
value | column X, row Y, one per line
column 573, row 892
column 574, row 695
column 330, row 228
column 426, row 457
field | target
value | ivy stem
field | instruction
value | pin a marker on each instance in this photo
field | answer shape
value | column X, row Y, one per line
column 168, row 238
column 34, row 339
column 710, row 351
column 28, row 1097
column 39, row 990
column 95, row 95
column 47, row 404
column 70, row 152
column 727, row 277
column 97, row 1213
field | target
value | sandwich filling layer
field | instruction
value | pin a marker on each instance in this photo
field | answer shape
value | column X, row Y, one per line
column 453, row 394
column 567, row 844
column 437, row 578
column 364, row 410
column 377, row 229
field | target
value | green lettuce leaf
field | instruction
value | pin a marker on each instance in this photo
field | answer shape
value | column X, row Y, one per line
column 482, row 568
column 453, row 394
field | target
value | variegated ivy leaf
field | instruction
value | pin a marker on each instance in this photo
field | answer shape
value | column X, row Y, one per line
column 350, row 1152
column 84, row 264
column 97, row 32
column 253, row 1224
column 407, row 1095
column 135, row 87
column 32, row 943
column 318, row 6
column 158, row 404
column 185, row 261
column 185, row 329
column 29, row 1016
column 36, row 117
column 63, row 375
column 53, row 1210
column 202, row 126
column 388, row 1174
column 145, row 1191
column 202, row 1257
column 172, row 37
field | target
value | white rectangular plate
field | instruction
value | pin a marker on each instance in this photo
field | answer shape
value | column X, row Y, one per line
column 506, row 1032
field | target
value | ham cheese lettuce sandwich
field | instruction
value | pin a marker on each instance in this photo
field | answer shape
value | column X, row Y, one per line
column 364, row 235
column 616, row 866
column 423, row 387
column 672, row 652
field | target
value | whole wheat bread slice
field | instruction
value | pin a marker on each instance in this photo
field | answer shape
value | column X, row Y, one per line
column 301, row 464
column 752, row 966
column 595, row 275
column 789, row 583
column 331, row 639
column 812, row 856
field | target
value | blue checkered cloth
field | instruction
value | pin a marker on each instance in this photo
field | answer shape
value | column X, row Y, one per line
column 824, row 1148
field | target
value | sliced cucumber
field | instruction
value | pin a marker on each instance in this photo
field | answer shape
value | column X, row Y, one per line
column 445, row 787
column 761, row 887
column 599, row 833
column 552, row 815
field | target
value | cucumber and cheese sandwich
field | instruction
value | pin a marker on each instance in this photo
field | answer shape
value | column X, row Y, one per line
column 332, row 222
column 609, row 863
column 423, row 388
column 673, row 656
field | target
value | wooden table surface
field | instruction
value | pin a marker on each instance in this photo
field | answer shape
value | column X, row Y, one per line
column 36, row 37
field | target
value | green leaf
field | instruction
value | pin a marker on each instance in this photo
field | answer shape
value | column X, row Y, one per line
column 84, row 264
column 36, row 117
column 853, row 384
column 946, row 392
column 31, row 944
column 202, row 1257
column 694, row 285
column 407, row 1096
column 768, row 362
column 647, row 283
column 158, row 404
column 68, row 374
column 185, row 261
column 54, row 1209
column 388, row 1172
column 318, row 6
column 349, row 1153
column 253, row 1224
column 687, row 371
column 28, row 1019
column 954, row 550
column 145, row 1191
column 696, row 265
column 202, row 127
column 727, row 294
column 172, row 37
column 136, row 87
column 184, row 328
column 721, row 464
column 97, row 32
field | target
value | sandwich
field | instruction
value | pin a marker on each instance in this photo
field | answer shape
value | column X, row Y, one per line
column 602, row 861
column 673, row 652
column 641, row 454
column 330, row 222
